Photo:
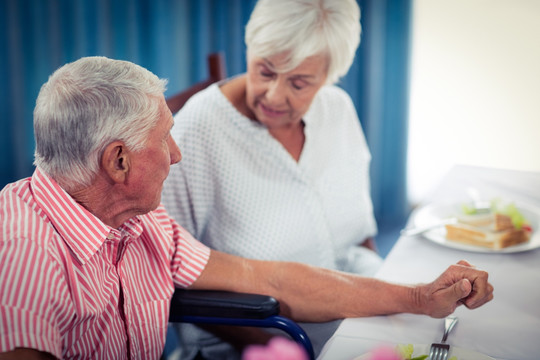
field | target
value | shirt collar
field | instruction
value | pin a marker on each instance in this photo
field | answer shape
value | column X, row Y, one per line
column 82, row 231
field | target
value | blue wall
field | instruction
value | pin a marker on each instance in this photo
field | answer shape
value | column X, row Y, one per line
column 172, row 38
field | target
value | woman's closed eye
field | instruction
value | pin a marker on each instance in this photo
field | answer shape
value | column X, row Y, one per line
column 298, row 84
column 267, row 74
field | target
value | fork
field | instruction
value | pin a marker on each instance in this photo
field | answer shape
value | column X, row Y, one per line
column 439, row 351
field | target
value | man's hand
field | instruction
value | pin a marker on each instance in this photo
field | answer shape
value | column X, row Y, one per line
column 459, row 284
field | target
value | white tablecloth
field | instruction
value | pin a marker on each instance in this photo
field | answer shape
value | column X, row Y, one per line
column 507, row 328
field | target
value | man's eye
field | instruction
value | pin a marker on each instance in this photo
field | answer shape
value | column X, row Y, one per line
column 267, row 74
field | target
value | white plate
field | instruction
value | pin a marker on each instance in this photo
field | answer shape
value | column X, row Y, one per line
column 423, row 349
column 431, row 214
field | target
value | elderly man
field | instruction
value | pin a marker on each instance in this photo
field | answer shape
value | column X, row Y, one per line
column 89, row 258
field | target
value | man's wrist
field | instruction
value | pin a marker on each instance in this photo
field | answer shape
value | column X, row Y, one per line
column 418, row 299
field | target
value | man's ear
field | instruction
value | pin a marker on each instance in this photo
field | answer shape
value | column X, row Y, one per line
column 115, row 161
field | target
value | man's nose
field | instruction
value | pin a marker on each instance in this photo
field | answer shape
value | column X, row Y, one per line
column 174, row 151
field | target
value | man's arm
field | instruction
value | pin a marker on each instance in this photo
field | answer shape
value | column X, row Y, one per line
column 307, row 293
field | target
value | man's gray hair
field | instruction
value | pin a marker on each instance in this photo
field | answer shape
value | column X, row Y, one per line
column 86, row 105
column 303, row 28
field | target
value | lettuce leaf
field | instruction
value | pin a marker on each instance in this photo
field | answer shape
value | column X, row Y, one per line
column 498, row 207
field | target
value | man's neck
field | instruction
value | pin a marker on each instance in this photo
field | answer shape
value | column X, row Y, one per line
column 106, row 202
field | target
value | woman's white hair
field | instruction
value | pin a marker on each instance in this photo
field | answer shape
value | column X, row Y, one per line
column 86, row 105
column 303, row 28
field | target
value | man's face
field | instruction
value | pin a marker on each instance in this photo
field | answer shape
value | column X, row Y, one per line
column 150, row 166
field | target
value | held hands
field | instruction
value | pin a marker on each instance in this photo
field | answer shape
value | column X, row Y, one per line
column 460, row 284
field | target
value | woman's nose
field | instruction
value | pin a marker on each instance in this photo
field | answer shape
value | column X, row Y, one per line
column 276, row 92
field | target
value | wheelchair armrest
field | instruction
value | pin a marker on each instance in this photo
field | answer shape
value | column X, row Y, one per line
column 229, row 308
column 221, row 304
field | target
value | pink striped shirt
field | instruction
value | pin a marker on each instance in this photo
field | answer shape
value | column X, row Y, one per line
column 77, row 288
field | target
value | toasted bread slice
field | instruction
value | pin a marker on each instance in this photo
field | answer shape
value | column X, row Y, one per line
column 484, row 236
column 491, row 221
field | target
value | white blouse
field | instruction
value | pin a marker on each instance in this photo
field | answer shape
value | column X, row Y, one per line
column 239, row 191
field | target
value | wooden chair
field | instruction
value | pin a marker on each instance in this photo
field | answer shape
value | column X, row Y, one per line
column 216, row 72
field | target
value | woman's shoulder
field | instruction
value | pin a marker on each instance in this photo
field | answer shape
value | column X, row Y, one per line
column 218, row 98
column 202, row 109
column 203, row 101
column 331, row 99
column 333, row 93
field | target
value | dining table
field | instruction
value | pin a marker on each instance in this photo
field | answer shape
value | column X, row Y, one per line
column 506, row 328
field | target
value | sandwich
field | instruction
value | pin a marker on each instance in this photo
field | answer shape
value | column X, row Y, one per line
column 497, row 229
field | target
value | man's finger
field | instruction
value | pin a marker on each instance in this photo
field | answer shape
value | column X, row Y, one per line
column 462, row 289
column 479, row 299
column 465, row 263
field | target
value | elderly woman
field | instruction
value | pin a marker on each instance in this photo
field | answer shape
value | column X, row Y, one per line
column 275, row 164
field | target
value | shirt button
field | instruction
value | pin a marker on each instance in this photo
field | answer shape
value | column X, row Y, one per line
column 110, row 236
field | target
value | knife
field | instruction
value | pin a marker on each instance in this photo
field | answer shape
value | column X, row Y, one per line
column 412, row 231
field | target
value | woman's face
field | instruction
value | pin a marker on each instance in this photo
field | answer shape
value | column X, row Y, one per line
column 281, row 99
